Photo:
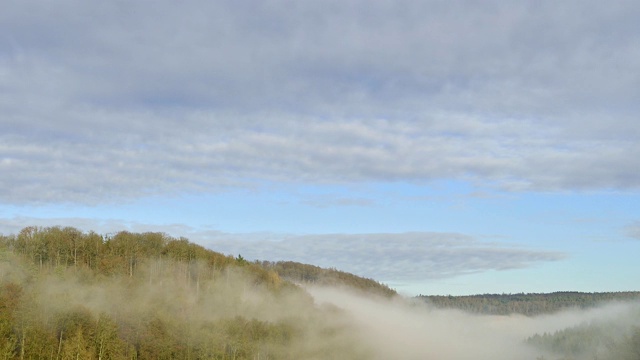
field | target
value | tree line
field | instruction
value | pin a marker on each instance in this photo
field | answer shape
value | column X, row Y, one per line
column 311, row 274
column 68, row 294
column 591, row 341
column 530, row 304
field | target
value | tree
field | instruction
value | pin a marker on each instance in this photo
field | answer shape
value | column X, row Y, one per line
column 10, row 296
column 75, row 333
column 107, row 344
column 76, row 346
column 155, row 341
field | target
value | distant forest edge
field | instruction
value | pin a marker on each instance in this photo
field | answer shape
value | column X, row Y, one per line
column 527, row 304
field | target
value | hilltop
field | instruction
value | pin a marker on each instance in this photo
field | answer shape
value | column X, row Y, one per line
column 310, row 274
column 68, row 294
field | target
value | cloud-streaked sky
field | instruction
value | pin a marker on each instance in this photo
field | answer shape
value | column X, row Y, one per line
column 439, row 147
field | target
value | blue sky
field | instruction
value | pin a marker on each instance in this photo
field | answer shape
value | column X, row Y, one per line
column 439, row 147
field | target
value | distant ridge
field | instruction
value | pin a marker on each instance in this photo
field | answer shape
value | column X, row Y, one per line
column 300, row 273
column 529, row 304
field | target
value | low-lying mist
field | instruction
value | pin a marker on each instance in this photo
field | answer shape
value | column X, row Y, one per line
column 405, row 329
column 335, row 321
column 144, row 296
column 228, row 316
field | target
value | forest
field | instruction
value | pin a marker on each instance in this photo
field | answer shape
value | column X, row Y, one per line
column 527, row 304
column 311, row 274
column 617, row 337
column 607, row 340
column 69, row 294
column 66, row 294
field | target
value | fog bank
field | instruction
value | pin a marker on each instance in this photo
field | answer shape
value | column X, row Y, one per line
column 402, row 328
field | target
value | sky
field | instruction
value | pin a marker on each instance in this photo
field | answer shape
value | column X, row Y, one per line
column 439, row 147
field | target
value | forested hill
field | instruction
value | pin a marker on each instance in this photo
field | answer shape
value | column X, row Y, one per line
column 124, row 252
column 310, row 274
column 68, row 294
column 526, row 304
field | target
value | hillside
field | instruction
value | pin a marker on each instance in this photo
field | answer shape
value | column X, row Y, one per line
column 612, row 340
column 613, row 336
column 66, row 294
column 526, row 304
column 310, row 274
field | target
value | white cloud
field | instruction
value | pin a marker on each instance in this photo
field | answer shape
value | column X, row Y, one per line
column 391, row 257
column 384, row 256
column 633, row 231
column 14, row 224
column 202, row 96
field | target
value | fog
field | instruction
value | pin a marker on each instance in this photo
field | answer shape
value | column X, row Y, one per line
column 167, row 293
column 406, row 329
column 195, row 311
column 334, row 322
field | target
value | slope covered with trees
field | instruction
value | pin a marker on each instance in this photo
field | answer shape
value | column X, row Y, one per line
column 526, row 304
column 66, row 294
column 310, row 274
column 611, row 340
column 617, row 337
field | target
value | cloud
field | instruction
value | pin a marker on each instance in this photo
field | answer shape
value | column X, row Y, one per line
column 395, row 256
column 328, row 201
column 633, row 231
column 14, row 224
column 383, row 256
column 205, row 96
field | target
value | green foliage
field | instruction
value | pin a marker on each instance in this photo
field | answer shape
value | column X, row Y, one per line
column 241, row 261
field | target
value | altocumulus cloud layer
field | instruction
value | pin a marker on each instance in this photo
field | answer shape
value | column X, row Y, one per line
column 384, row 257
column 407, row 256
column 120, row 100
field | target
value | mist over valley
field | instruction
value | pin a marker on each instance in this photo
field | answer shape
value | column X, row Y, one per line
column 69, row 294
